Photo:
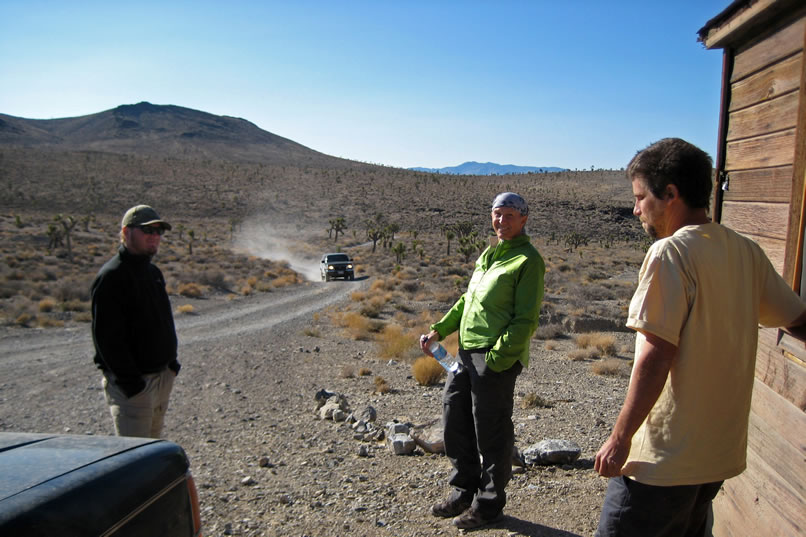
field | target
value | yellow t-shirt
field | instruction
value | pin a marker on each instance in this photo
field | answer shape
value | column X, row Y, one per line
column 705, row 289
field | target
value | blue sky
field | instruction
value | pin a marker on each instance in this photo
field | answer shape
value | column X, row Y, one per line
column 404, row 83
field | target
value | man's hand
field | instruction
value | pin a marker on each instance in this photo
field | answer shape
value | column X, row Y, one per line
column 611, row 457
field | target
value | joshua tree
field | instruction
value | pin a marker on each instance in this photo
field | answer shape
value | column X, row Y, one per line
column 54, row 236
column 338, row 225
column 374, row 235
column 400, row 252
column 68, row 224
column 450, row 235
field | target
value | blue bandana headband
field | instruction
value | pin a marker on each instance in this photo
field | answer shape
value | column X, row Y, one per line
column 510, row 199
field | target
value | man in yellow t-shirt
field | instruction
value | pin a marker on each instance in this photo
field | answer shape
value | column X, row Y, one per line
column 703, row 290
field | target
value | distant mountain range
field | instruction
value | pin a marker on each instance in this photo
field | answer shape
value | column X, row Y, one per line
column 488, row 168
column 178, row 132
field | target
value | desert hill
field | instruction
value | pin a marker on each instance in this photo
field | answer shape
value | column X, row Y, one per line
column 161, row 130
column 193, row 164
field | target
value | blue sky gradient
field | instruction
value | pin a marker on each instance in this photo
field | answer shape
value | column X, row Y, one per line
column 575, row 84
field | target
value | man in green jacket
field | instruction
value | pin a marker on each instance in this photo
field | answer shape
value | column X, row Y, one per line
column 496, row 318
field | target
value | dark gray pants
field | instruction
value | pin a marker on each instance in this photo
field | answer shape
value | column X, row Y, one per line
column 633, row 509
column 479, row 436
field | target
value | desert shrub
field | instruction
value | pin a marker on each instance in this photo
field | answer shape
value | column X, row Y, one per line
column 394, row 342
column 411, row 286
column 75, row 305
column 382, row 284
column 43, row 321
column 184, row 309
column 347, row 372
column 446, row 296
column 246, row 290
column 264, row 287
column 82, row 317
column 406, row 274
column 216, row 279
column 549, row 331
column 403, row 307
column 312, row 331
column 456, row 270
column 372, row 307
column 73, row 289
column 23, row 319
column 285, row 280
column 427, row 371
column 579, row 355
column 381, row 386
column 364, row 371
column 46, row 305
column 190, row 290
column 358, row 296
column 604, row 343
column 596, row 292
column 608, row 367
column 533, row 400
column 356, row 325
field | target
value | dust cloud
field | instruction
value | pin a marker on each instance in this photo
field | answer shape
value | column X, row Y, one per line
column 265, row 240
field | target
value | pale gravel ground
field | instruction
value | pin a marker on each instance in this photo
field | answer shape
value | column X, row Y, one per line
column 246, row 391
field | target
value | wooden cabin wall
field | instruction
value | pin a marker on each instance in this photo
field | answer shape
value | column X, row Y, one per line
column 762, row 120
column 766, row 97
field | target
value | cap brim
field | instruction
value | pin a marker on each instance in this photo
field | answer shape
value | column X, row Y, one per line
column 164, row 224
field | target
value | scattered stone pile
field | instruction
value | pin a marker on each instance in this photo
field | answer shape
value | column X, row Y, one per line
column 405, row 438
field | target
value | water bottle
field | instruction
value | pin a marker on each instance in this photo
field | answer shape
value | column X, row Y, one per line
column 447, row 361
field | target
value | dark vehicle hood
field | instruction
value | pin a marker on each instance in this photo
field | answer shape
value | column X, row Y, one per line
column 45, row 479
column 27, row 460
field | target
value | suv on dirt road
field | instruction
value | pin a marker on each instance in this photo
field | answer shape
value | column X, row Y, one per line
column 336, row 266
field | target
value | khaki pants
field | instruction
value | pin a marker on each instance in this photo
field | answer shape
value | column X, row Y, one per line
column 143, row 414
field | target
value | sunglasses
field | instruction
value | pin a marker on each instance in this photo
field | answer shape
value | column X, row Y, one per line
column 151, row 230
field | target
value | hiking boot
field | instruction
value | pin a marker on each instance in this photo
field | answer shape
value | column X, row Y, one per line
column 473, row 519
column 450, row 507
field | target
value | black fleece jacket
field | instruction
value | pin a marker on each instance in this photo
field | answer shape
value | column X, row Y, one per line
column 132, row 324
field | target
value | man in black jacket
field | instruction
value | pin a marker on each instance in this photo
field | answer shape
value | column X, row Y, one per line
column 133, row 328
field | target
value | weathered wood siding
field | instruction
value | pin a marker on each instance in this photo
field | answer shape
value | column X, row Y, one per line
column 761, row 138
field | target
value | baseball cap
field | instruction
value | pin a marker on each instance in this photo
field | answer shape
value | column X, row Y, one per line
column 143, row 215
column 510, row 199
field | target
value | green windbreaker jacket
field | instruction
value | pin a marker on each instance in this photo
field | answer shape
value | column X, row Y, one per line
column 501, row 306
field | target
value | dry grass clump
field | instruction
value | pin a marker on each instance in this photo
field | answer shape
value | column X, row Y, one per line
column 395, row 342
column 75, row 305
column 447, row 296
column 604, row 343
column 579, row 355
column 533, row 400
column 43, row 321
column 347, row 372
column 46, row 305
column 358, row 296
column 608, row 367
column 185, row 309
column 383, row 284
column 312, row 331
column 356, row 325
column 190, row 290
column 373, row 306
column 427, row 371
column 364, row 372
column 549, row 331
column 381, row 386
